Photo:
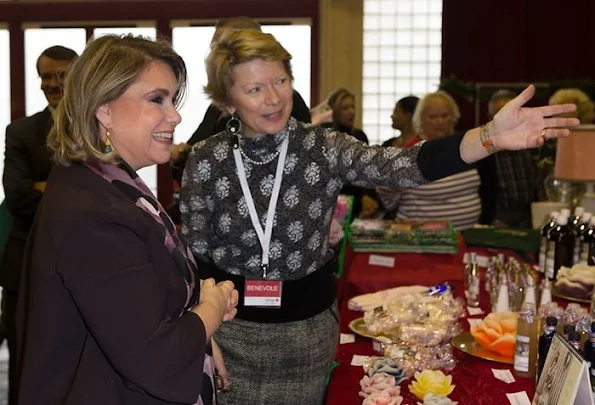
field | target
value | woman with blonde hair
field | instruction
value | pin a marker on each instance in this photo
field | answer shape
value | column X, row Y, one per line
column 585, row 111
column 113, row 311
column 257, row 203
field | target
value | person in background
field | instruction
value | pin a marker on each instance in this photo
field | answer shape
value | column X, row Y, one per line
column 516, row 176
column 257, row 202
column 27, row 165
column 342, row 104
column 112, row 310
column 584, row 105
column 402, row 120
column 455, row 198
column 214, row 119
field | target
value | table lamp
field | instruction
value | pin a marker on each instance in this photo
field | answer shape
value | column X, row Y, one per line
column 575, row 162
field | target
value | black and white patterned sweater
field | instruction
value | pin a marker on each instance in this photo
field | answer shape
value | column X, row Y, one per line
column 215, row 220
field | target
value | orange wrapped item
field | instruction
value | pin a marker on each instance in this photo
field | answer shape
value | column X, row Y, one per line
column 497, row 333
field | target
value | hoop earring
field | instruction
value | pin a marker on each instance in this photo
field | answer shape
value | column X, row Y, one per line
column 108, row 144
column 233, row 125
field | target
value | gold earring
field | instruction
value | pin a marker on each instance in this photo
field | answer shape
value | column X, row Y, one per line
column 108, row 144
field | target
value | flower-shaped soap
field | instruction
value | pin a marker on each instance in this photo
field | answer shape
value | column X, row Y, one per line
column 390, row 367
column 431, row 399
column 497, row 333
column 379, row 382
column 382, row 398
column 431, row 381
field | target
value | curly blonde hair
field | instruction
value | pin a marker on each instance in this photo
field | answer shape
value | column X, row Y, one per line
column 234, row 48
column 585, row 108
column 105, row 70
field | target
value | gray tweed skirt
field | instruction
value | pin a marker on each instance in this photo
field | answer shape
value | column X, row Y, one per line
column 278, row 363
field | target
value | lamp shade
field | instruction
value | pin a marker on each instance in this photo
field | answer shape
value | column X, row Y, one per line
column 575, row 155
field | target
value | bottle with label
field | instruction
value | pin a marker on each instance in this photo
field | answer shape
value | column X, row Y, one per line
column 551, row 224
column 545, row 341
column 525, row 354
column 590, row 352
column 581, row 228
column 587, row 244
column 473, row 281
column 560, row 248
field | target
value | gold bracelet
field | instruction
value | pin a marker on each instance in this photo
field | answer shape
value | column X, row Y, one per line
column 486, row 140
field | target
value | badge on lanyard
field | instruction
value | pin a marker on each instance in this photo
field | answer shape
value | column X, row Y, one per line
column 262, row 293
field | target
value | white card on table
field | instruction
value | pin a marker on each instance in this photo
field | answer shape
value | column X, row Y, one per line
column 346, row 338
column 474, row 311
column 358, row 360
column 519, row 398
column 384, row 261
column 503, row 375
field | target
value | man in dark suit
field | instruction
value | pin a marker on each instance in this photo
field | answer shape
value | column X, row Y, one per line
column 27, row 165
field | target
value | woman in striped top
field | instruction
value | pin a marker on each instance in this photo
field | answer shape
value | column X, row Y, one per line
column 454, row 198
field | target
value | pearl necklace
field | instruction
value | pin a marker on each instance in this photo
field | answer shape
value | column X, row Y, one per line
column 258, row 162
column 261, row 162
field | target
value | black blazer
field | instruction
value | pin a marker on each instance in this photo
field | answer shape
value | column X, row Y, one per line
column 99, row 303
column 27, row 160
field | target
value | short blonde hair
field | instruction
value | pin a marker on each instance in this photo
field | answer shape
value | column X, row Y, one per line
column 421, row 107
column 234, row 48
column 584, row 106
column 106, row 69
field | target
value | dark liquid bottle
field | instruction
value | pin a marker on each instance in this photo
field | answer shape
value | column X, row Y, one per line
column 587, row 247
column 574, row 338
column 590, row 352
column 579, row 232
column 545, row 340
column 549, row 225
column 568, row 329
column 576, row 219
column 560, row 248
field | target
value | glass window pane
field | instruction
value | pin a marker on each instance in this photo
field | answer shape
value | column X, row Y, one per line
column 295, row 39
column 402, row 56
column 36, row 41
column 149, row 173
column 4, row 94
column 192, row 44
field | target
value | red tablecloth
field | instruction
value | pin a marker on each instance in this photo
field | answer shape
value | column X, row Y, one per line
column 475, row 383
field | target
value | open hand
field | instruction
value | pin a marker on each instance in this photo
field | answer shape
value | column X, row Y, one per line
column 516, row 127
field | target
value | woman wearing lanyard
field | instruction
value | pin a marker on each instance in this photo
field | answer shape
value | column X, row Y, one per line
column 257, row 202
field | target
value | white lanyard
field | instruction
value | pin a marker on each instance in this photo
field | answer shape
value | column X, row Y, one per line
column 263, row 237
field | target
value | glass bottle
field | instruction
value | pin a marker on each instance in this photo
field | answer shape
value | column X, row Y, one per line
column 587, row 248
column 560, row 248
column 590, row 353
column 579, row 231
column 502, row 304
column 551, row 224
column 574, row 338
column 545, row 341
column 473, row 281
column 525, row 354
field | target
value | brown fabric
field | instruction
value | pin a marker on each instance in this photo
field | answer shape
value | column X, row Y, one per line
column 99, row 317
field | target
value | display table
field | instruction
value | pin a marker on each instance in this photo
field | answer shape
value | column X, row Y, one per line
column 475, row 383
